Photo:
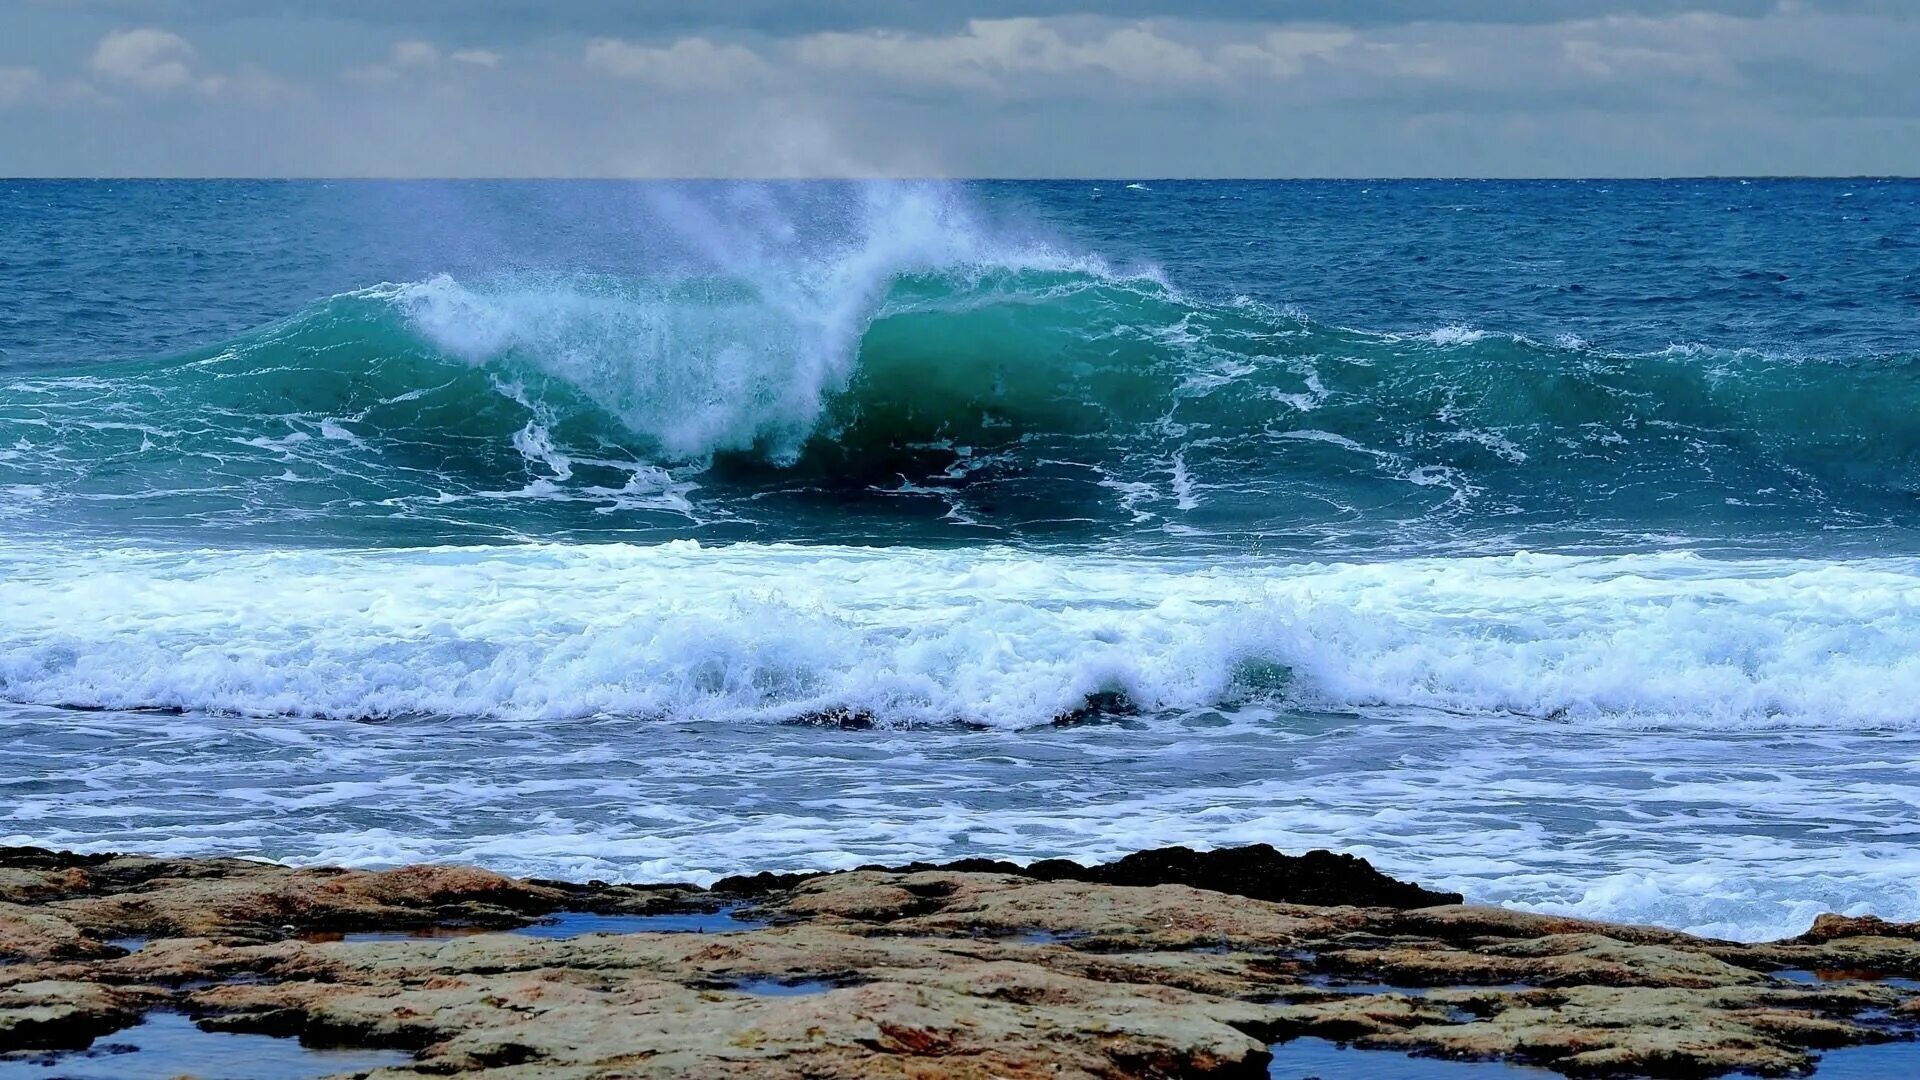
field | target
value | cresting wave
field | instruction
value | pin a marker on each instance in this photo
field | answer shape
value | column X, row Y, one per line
column 987, row 636
column 1002, row 386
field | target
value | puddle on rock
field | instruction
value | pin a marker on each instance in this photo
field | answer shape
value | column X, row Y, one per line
column 769, row 987
column 1841, row 976
column 420, row 933
column 1881, row 1061
column 566, row 924
column 1321, row 1059
column 575, row 923
column 1047, row 937
column 168, row 1045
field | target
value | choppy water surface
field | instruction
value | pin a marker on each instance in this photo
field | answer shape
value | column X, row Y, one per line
column 1553, row 542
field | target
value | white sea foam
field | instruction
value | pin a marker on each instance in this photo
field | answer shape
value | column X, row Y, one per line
column 1453, row 335
column 995, row 636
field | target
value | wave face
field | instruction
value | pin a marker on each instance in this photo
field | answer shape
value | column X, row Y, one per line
column 923, row 381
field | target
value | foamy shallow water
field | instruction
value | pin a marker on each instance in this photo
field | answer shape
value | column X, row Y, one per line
column 1720, row 746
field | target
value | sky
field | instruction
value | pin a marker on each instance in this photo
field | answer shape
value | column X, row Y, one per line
column 1003, row 88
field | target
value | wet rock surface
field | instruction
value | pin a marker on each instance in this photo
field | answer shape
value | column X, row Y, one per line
column 1168, row 963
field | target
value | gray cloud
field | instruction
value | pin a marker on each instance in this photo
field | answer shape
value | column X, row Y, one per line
column 652, row 18
column 1286, row 87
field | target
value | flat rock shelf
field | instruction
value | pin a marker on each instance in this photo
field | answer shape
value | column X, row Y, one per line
column 1243, row 962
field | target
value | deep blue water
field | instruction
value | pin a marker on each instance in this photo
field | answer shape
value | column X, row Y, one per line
column 1553, row 541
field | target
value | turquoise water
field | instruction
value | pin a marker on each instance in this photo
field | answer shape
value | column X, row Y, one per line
column 1550, row 541
column 1718, row 365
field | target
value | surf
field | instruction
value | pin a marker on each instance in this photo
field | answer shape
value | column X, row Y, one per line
column 991, row 636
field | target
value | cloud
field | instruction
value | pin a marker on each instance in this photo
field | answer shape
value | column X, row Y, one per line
column 150, row 59
column 518, row 20
column 687, row 63
column 1689, row 47
column 417, row 55
column 990, row 52
column 17, row 84
column 1284, row 53
column 1003, row 87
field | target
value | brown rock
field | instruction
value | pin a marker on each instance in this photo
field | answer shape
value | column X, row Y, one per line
column 921, row 972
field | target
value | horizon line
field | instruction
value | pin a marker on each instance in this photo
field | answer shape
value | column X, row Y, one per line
column 1383, row 179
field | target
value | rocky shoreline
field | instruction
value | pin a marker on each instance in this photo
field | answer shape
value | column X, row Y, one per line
column 1170, row 963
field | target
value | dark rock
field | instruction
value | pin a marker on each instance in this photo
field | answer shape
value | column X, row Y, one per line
column 761, row 883
column 1099, row 705
column 33, row 858
column 843, row 718
column 1257, row 871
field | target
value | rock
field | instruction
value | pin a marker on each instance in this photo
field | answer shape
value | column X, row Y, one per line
column 247, row 901
column 659, row 1005
column 975, row 969
column 1832, row 927
column 1587, row 958
column 57, row 1015
column 33, row 858
column 28, row 933
column 1257, row 871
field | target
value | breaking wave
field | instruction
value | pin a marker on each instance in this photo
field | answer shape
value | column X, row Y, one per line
column 987, row 636
column 1001, row 384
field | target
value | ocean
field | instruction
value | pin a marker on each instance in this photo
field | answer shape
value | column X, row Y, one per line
column 1555, row 542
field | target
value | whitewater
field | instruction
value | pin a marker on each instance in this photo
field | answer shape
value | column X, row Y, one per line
column 666, row 531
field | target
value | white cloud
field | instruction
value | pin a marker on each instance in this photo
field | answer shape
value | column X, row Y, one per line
column 689, row 62
column 988, row 51
column 17, row 84
column 415, row 53
column 151, row 59
column 1285, row 53
column 1691, row 46
column 1817, row 88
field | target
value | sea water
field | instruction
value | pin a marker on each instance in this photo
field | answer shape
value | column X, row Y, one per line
column 1554, row 542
